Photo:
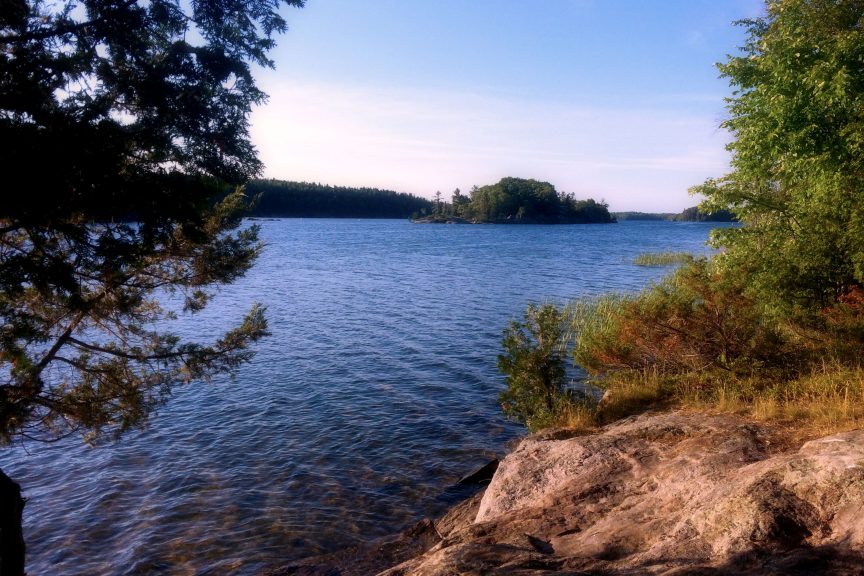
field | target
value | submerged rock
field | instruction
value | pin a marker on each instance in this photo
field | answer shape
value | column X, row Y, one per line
column 663, row 494
column 366, row 559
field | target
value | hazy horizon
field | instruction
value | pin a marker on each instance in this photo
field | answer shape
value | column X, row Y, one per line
column 618, row 101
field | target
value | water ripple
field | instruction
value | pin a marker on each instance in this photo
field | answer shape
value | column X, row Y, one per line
column 376, row 391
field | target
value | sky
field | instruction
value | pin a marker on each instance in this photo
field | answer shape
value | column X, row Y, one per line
column 616, row 100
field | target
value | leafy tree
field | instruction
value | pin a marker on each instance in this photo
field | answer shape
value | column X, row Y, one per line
column 119, row 122
column 797, row 179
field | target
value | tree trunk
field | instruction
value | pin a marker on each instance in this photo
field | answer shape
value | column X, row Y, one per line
column 11, row 535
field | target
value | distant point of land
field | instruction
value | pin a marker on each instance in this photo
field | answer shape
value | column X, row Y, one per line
column 692, row 214
column 281, row 199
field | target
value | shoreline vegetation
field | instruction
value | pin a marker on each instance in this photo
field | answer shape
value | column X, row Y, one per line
column 692, row 214
column 510, row 201
column 695, row 341
column 282, row 199
column 771, row 326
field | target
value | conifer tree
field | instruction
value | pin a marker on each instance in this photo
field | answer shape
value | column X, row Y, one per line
column 122, row 124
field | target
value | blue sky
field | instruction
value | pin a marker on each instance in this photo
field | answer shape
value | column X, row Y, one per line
column 609, row 99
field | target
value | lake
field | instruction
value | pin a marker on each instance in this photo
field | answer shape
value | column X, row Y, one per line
column 375, row 393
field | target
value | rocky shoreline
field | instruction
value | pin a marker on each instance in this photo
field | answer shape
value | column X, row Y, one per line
column 671, row 494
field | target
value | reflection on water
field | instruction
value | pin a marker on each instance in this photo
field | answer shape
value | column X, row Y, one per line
column 376, row 391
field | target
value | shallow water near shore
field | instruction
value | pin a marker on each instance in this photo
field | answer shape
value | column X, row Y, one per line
column 375, row 392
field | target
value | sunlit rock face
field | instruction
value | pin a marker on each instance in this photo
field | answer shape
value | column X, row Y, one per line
column 659, row 494
column 673, row 493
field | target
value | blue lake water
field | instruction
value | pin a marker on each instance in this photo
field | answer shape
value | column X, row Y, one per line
column 375, row 393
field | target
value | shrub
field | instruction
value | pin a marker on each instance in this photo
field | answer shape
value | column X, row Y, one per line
column 695, row 339
column 533, row 363
column 843, row 326
column 692, row 321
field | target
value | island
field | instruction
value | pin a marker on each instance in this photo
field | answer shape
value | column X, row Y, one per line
column 516, row 201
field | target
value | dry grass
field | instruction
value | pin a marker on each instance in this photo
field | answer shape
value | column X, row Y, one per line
column 826, row 401
column 625, row 396
column 578, row 417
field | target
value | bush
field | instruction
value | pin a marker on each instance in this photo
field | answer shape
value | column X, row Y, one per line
column 534, row 365
column 695, row 339
column 693, row 320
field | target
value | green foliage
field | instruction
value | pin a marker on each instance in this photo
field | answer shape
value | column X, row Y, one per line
column 517, row 200
column 120, row 122
column 534, row 369
column 797, row 118
column 773, row 325
column 461, row 204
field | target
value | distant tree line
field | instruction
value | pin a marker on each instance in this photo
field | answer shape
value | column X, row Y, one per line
column 278, row 198
column 653, row 216
column 693, row 214
column 520, row 200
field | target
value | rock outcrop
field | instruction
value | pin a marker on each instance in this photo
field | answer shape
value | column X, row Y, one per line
column 663, row 494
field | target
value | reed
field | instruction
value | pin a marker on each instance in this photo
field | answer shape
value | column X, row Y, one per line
column 662, row 258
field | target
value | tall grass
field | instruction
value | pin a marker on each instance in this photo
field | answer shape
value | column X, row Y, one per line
column 826, row 400
column 662, row 258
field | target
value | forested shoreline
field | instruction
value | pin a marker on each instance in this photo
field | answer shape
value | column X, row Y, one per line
column 282, row 199
column 511, row 200
column 692, row 214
